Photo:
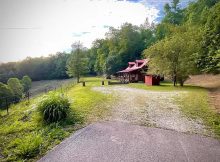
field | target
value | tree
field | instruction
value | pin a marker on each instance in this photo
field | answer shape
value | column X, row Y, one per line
column 175, row 56
column 173, row 13
column 77, row 65
column 16, row 87
column 26, row 82
column 209, row 57
column 121, row 46
column 5, row 92
column 101, row 48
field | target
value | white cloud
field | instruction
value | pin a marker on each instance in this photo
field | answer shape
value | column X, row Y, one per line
column 40, row 27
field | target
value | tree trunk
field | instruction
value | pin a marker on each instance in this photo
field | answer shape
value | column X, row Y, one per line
column 174, row 80
column 181, row 83
column 77, row 78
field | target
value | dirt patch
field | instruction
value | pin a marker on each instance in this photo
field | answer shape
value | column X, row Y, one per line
column 153, row 108
column 210, row 82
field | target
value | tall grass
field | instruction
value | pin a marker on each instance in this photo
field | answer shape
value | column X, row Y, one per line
column 54, row 107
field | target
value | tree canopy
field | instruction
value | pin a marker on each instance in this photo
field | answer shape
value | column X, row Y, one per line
column 77, row 64
column 26, row 82
column 16, row 87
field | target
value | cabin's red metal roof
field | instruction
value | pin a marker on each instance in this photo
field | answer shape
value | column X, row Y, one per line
column 136, row 66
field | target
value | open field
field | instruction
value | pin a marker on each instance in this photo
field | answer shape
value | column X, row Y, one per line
column 39, row 87
column 182, row 109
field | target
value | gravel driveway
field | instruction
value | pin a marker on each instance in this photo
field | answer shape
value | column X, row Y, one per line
column 122, row 139
column 152, row 108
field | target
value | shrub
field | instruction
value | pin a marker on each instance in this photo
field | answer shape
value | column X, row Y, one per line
column 26, row 82
column 54, row 107
column 5, row 91
column 16, row 88
column 28, row 146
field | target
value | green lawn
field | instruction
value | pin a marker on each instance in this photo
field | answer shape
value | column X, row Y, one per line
column 23, row 137
column 164, row 86
column 195, row 104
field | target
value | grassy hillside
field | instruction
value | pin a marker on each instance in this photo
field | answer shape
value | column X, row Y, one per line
column 24, row 137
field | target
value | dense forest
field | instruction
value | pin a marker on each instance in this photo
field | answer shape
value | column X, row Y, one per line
column 185, row 42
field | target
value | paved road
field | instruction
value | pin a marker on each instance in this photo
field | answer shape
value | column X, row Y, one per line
column 123, row 142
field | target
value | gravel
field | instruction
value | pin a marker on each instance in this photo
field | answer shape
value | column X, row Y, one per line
column 150, row 108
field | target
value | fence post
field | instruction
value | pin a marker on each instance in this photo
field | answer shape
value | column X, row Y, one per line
column 6, row 101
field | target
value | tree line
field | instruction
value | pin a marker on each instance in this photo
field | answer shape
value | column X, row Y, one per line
column 41, row 68
column 185, row 42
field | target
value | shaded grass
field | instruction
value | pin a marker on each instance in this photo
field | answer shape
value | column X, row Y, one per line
column 23, row 124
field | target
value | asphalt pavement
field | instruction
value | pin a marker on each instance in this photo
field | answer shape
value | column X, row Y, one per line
column 124, row 142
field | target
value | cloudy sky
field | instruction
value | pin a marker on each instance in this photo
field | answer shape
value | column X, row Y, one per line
column 41, row 27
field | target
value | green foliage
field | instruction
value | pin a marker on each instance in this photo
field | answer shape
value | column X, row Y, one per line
column 173, row 13
column 121, row 46
column 197, row 12
column 28, row 146
column 54, row 107
column 174, row 56
column 209, row 57
column 77, row 64
column 26, row 82
column 16, row 87
column 5, row 91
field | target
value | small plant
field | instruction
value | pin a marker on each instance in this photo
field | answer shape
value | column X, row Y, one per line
column 28, row 146
column 54, row 107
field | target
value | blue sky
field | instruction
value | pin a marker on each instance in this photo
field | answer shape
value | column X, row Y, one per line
column 159, row 4
column 41, row 27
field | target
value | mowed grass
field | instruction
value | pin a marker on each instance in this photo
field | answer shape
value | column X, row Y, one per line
column 194, row 103
column 23, row 137
column 164, row 86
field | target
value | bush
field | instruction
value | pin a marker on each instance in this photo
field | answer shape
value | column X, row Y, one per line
column 28, row 146
column 54, row 107
column 5, row 91
column 26, row 82
column 16, row 88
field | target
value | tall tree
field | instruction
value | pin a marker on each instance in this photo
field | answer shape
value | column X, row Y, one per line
column 173, row 13
column 77, row 65
column 175, row 56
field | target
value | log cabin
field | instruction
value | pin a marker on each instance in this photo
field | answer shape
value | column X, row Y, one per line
column 135, row 71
